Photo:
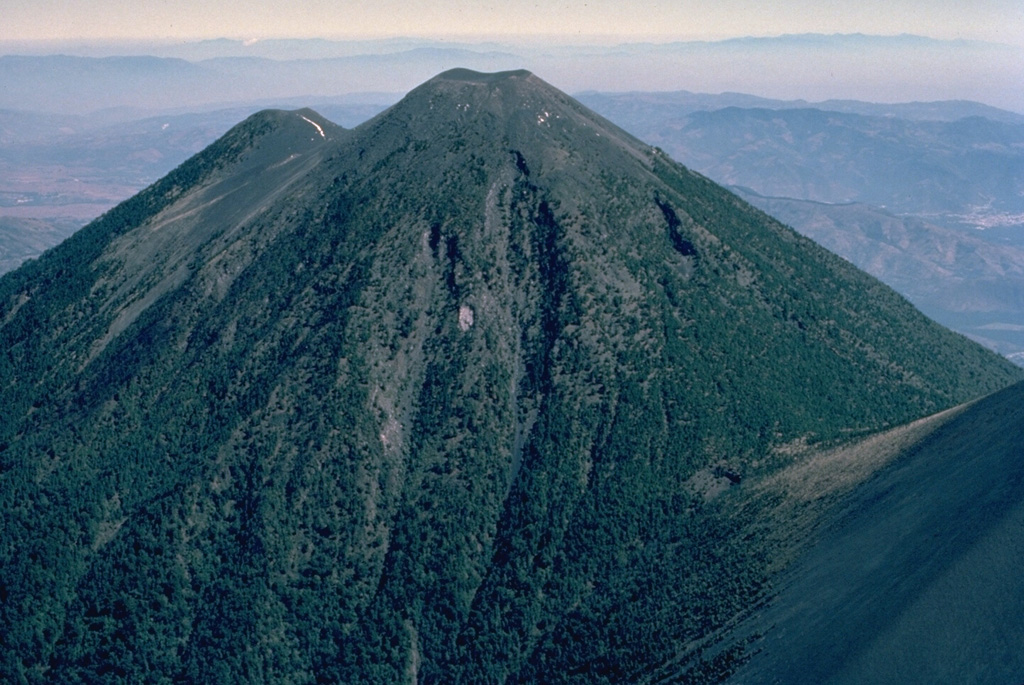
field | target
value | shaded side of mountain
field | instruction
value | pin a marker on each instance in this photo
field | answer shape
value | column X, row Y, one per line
column 914, row 578
column 447, row 397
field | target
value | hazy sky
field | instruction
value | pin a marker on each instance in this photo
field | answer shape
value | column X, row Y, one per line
column 992, row 20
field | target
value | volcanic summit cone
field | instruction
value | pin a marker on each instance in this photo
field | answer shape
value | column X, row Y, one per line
column 459, row 395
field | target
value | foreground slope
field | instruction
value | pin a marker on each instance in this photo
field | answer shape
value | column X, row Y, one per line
column 444, row 397
column 915, row 578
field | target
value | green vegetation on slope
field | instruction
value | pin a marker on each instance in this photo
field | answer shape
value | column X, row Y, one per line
column 435, row 412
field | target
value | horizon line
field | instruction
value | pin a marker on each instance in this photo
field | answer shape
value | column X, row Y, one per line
column 567, row 39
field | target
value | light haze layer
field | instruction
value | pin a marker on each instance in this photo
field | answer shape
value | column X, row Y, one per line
column 990, row 20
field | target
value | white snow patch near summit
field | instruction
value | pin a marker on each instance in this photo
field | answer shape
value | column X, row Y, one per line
column 317, row 126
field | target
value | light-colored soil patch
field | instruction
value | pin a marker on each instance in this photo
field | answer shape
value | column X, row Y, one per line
column 840, row 469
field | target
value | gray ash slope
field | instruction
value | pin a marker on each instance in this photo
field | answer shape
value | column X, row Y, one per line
column 424, row 400
column 915, row 577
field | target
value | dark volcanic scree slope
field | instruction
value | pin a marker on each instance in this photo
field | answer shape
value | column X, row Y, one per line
column 443, row 397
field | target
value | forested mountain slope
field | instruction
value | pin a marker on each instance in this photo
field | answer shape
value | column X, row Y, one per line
column 446, row 397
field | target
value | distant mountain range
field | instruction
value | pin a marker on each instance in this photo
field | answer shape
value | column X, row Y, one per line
column 67, row 78
column 935, row 160
column 485, row 389
column 646, row 108
column 284, row 49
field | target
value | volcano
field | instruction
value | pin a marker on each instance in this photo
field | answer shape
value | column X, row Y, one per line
column 478, row 391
